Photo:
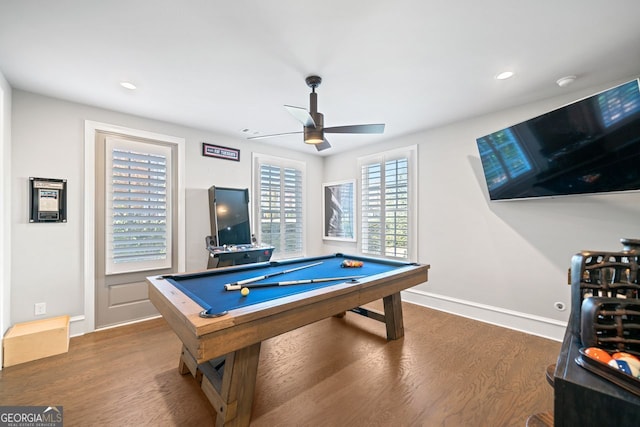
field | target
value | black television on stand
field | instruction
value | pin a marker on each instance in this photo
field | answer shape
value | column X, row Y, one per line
column 589, row 146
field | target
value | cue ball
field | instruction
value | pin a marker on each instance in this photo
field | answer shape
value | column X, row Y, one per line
column 244, row 292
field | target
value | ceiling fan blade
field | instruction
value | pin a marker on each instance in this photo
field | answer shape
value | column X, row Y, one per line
column 323, row 145
column 273, row 135
column 372, row 128
column 301, row 115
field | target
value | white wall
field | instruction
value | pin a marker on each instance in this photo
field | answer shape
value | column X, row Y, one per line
column 5, row 213
column 501, row 262
column 48, row 141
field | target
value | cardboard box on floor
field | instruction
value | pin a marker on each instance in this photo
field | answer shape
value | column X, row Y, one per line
column 36, row 339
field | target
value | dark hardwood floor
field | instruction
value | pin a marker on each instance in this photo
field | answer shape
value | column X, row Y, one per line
column 446, row 371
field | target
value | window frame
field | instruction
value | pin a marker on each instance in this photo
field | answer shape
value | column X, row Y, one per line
column 258, row 161
column 411, row 154
column 148, row 148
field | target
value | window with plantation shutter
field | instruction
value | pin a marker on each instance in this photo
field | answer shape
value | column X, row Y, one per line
column 138, row 206
column 279, row 208
column 386, row 195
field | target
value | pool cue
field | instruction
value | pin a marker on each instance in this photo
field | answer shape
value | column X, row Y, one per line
column 236, row 286
column 292, row 282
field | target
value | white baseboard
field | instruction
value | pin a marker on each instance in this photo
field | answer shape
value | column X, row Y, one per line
column 78, row 325
column 131, row 322
column 535, row 325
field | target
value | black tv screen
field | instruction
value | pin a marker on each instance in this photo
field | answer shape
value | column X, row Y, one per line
column 231, row 215
column 590, row 146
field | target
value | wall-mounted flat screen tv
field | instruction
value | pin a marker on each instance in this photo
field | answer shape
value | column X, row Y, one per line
column 589, row 146
column 229, row 212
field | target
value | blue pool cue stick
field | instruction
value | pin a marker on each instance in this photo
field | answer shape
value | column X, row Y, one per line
column 296, row 282
column 236, row 286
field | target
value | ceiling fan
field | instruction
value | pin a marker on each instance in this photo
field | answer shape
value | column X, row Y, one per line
column 313, row 121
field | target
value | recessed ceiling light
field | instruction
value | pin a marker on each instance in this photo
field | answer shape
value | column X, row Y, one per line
column 504, row 75
column 128, row 85
column 565, row 81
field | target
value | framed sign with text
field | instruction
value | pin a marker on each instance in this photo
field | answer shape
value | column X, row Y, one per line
column 220, row 152
column 48, row 200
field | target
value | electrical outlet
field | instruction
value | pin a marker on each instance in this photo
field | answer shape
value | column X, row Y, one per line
column 40, row 308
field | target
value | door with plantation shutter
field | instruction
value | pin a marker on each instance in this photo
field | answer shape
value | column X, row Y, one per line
column 135, row 213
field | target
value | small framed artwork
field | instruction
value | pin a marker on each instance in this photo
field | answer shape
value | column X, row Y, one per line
column 48, row 200
column 339, row 210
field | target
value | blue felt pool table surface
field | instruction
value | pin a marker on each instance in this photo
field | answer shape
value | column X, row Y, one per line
column 207, row 288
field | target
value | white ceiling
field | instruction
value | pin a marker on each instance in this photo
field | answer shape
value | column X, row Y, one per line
column 230, row 65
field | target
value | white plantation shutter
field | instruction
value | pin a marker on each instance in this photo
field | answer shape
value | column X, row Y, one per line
column 371, row 211
column 387, row 223
column 138, row 207
column 280, row 205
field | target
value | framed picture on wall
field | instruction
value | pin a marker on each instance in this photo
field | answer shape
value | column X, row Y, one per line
column 339, row 210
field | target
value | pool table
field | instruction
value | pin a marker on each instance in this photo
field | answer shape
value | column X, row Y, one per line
column 222, row 330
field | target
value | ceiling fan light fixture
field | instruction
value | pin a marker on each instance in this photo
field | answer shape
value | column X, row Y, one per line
column 313, row 136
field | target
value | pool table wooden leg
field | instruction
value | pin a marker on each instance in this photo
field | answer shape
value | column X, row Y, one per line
column 232, row 397
column 187, row 363
column 393, row 316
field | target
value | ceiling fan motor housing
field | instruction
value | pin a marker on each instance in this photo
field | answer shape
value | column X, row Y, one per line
column 315, row 135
